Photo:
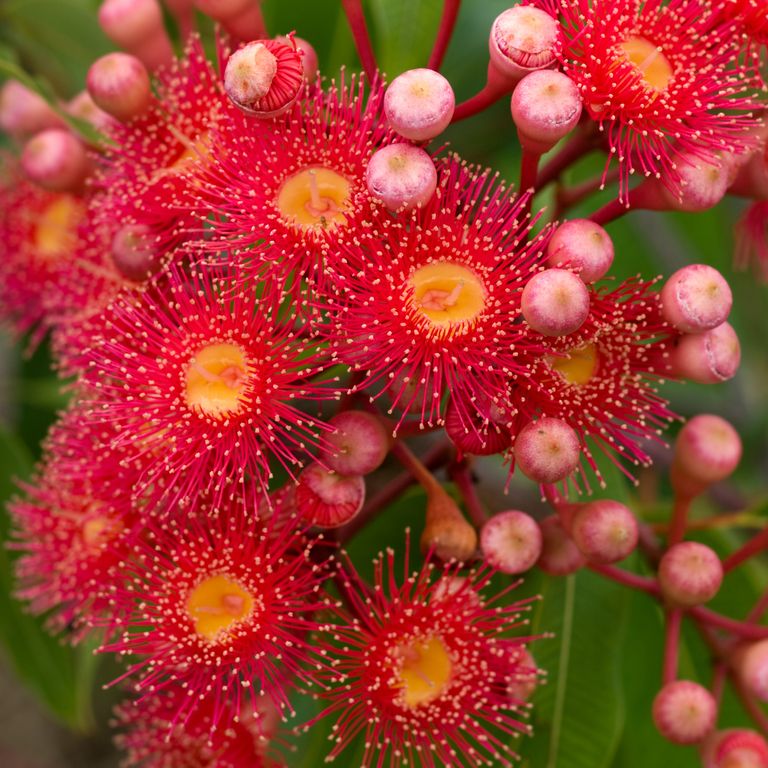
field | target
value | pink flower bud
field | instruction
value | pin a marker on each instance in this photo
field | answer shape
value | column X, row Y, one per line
column 546, row 106
column 690, row 574
column 56, row 160
column 327, row 499
column 555, row 302
column 309, row 61
column 584, row 247
column 735, row 748
column 358, row 444
column 82, row 106
column 241, row 18
column 559, row 555
column 481, row 436
column 23, row 112
column 547, row 450
column 511, row 541
column 709, row 357
column 605, row 531
column 264, row 78
column 524, row 38
column 707, row 450
column 119, row 84
column 696, row 298
column 700, row 185
column 134, row 254
column 752, row 668
column 401, row 176
column 684, row 712
column 137, row 26
column 419, row 104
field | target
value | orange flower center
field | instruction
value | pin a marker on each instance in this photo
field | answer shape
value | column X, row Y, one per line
column 425, row 672
column 55, row 235
column 315, row 198
column 216, row 380
column 579, row 366
column 650, row 63
column 217, row 605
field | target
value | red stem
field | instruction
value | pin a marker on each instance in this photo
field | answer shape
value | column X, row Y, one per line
column 444, row 33
column 741, row 628
column 356, row 19
column 575, row 148
column 674, row 620
column 758, row 609
column 529, row 167
column 461, row 474
column 609, row 212
column 495, row 88
column 679, row 522
column 756, row 544
column 627, row 578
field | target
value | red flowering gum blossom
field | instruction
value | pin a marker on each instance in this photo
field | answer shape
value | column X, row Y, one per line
column 220, row 606
column 264, row 77
column 202, row 379
column 425, row 670
column 152, row 734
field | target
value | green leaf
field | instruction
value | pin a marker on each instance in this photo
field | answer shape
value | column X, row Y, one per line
column 61, row 676
column 579, row 712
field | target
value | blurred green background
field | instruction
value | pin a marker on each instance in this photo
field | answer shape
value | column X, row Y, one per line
column 604, row 665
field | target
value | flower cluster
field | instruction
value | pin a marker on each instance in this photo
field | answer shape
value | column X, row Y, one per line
column 264, row 283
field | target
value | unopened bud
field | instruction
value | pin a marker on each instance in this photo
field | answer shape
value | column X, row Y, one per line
column 709, row 357
column 327, row 499
column 523, row 39
column 752, row 668
column 684, row 712
column 309, row 60
column 401, row 176
column 555, row 302
column 134, row 254
column 264, row 78
column 547, row 450
column 137, row 26
column 690, row 574
column 56, row 160
column 559, row 554
column 119, row 84
column 546, row 107
column 583, row 246
column 446, row 532
column 605, row 531
column 696, row 298
column 358, row 444
column 735, row 748
column 23, row 112
column 419, row 104
column 241, row 18
column 511, row 541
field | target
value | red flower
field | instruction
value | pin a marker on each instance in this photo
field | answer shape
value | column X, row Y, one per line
column 662, row 80
column 429, row 303
column 202, row 381
column 422, row 671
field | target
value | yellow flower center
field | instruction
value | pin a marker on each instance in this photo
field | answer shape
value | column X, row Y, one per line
column 579, row 366
column 315, row 197
column 448, row 294
column 216, row 379
column 425, row 672
column 651, row 64
column 98, row 531
column 216, row 605
column 55, row 235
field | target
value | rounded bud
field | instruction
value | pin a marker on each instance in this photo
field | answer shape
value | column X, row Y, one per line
column 699, row 185
column 309, row 60
column 583, row 246
column 559, row 554
column 696, row 298
column 690, row 574
column 401, row 176
column 546, row 106
column 419, row 104
column 358, row 444
column 241, row 18
column 476, row 433
column 119, row 84
column 555, row 302
column 134, row 254
column 525, row 676
column 684, row 712
column 264, row 78
column 82, row 106
column 137, row 26
column 709, row 357
column 523, row 39
column 707, row 450
column 752, row 668
column 735, row 748
column 605, row 531
column 446, row 533
column 56, row 160
column 547, row 450
column 327, row 499
column 511, row 541
column 23, row 112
